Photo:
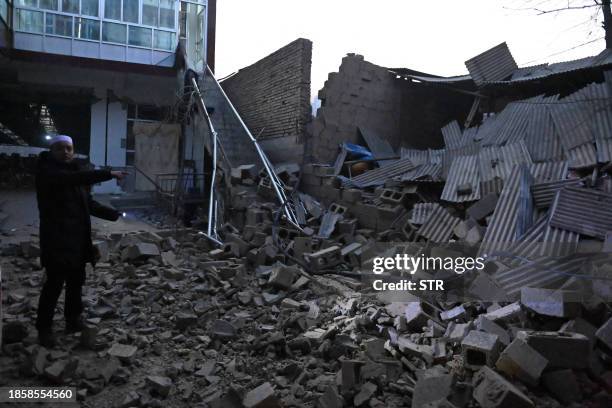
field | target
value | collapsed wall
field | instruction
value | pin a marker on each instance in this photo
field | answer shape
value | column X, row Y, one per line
column 273, row 98
column 359, row 94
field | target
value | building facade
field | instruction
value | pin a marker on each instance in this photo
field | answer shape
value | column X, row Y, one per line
column 99, row 68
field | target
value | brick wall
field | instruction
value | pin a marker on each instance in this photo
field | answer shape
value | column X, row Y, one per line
column 273, row 94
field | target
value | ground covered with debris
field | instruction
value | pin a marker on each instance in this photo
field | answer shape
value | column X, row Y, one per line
column 282, row 317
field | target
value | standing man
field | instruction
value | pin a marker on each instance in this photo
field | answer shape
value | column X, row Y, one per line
column 65, row 205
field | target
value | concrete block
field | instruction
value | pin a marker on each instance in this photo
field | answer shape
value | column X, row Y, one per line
column 393, row 197
column 281, row 277
column 417, row 315
column 562, row 350
column 223, row 329
column 506, row 314
column 325, row 258
column 563, row 385
column 412, row 349
column 140, row 251
column 161, row 385
column 122, row 351
column 430, row 389
column 483, row 207
column 486, row 325
column 464, row 189
column 552, row 302
column 491, row 390
column 581, row 326
column 480, row 348
column 261, row 397
column 456, row 332
column 519, row 360
column 349, row 373
column 366, row 392
column 604, row 334
column 351, row 195
column 456, row 312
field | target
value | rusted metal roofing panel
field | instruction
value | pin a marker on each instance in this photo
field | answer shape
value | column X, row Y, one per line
column 584, row 211
column 513, row 213
column 421, row 212
column 425, row 172
column 582, row 156
column 463, row 170
column 439, row 225
column 550, row 171
column 452, row 135
column 544, row 193
column 417, row 157
column 379, row 147
column 541, row 138
column 495, row 64
column 378, row 176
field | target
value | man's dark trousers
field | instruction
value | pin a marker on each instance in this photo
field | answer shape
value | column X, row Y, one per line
column 73, row 305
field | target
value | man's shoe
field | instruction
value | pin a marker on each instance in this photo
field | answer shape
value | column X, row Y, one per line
column 74, row 325
column 46, row 338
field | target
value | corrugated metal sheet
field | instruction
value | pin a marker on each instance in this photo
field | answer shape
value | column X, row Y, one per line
column 513, row 214
column 572, row 118
column 600, row 96
column 452, row 135
column 378, row 176
column 498, row 162
column 604, row 150
column 449, row 156
column 422, row 211
column 583, row 156
column 550, row 171
column 439, row 225
column 463, row 170
column 541, row 138
column 515, row 122
column 425, row 172
column 417, row 157
column 494, row 186
column 378, row 146
column 543, row 272
column 584, row 211
column 544, row 193
column 495, row 64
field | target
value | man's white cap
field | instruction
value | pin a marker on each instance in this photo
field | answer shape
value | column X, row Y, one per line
column 60, row 138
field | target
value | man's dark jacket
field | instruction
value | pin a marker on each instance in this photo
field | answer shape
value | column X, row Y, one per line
column 65, row 205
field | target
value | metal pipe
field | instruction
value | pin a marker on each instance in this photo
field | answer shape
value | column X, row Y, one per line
column 211, row 202
column 275, row 182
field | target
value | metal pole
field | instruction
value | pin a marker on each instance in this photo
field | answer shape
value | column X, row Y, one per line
column 275, row 181
column 211, row 202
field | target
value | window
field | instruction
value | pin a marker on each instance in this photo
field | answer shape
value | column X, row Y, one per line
column 166, row 13
column 140, row 36
column 130, row 11
column 149, row 12
column 70, row 6
column 49, row 4
column 89, row 7
column 28, row 20
column 4, row 11
column 87, row 29
column 112, row 9
column 113, row 32
column 26, row 3
column 164, row 40
column 59, row 25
